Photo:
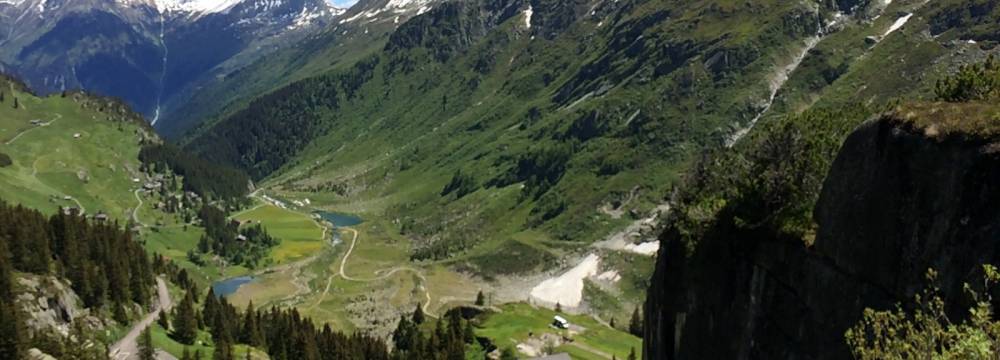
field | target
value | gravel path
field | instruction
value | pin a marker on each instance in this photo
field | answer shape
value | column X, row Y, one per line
column 127, row 347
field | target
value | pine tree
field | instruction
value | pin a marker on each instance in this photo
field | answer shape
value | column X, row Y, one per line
column 480, row 299
column 631, row 354
column 635, row 324
column 15, row 102
column 558, row 307
column 164, row 320
column 146, row 350
column 120, row 315
column 223, row 350
column 251, row 334
column 418, row 315
column 470, row 334
column 185, row 321
column 402, row 338
column 12, row 344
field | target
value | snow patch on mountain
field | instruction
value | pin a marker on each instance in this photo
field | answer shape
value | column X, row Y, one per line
column 195, row 6
column 400, row 4
column 898, row 24
column 391, row 8
column 527, row 17
column 307, row 17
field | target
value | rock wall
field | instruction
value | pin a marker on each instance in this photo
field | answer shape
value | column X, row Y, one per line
column 897, row 201
column 51, row 305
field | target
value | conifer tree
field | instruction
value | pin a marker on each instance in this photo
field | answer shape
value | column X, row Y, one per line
column 185, row 321
column 164, row 320
column 635, row 324
column 223, row 350
column 418, row 315
column 480, row 299
column 146, row 350
column 402, row 338
column 558, row 307
column 469, row 334
column 12, row 344
column 251, row 334
column 15, row 103
column 631, row 354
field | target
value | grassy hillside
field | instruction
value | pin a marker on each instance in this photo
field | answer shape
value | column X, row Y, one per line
column 500, row 145
column 77, row 150
column 73, row 150
column 478, row 131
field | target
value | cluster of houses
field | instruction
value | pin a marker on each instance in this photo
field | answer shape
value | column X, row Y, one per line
column 275, row 202
column 155, row 182
column 283, row 205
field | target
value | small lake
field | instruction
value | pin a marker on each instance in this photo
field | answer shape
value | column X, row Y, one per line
column 229, row 286
column 339, row 219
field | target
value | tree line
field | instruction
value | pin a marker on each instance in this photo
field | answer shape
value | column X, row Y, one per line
column 283, row 333
column 447, row 341
column 107, row 269
column 248, row 246
column 209, row 180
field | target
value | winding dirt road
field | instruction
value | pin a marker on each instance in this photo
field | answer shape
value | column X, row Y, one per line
column 128, row 347
column 387, row 273
column 302, row 288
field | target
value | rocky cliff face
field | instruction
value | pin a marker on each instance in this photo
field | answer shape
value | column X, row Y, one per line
column 909, row 191
column 52, row 306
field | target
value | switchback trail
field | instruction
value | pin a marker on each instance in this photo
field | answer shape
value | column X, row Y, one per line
column 386, row 275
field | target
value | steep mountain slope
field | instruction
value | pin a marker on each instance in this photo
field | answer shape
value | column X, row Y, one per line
column 356, row 34
column 144, row 51
column 778, row 244
column 908, row 192
column 503, row 137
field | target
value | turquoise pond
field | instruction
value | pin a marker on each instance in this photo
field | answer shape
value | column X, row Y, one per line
column 339, row 219
column 229, row 286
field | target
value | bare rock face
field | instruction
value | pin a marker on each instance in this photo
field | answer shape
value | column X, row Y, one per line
column 51, row 305
column 35, row 354
column 899, row 199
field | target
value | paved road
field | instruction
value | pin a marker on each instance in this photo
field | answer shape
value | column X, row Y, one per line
column 127, row 347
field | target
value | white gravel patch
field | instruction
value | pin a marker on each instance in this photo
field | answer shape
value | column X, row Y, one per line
column 609, row 275
column 646, row 248
column 567, row 289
